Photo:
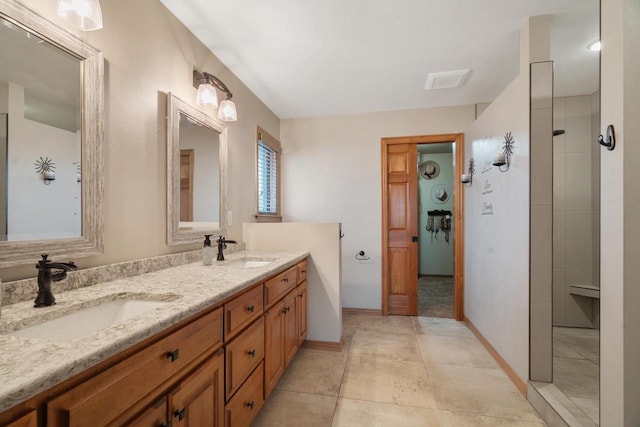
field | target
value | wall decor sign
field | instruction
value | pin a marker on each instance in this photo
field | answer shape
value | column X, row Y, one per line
column 487, row 208
column 486, row 189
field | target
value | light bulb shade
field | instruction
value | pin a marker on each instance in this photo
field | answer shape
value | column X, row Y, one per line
column 207, row 96
column 84, row 14
column 227, row 111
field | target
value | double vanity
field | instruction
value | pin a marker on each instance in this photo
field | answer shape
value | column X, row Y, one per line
column 188, row 345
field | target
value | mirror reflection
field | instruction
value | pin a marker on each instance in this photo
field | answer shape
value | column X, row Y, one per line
column 199, row 174
column 40, row 138
column 196, row 174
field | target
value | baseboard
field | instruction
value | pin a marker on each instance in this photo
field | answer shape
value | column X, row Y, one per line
column 323, row 345
column 366, row 311
column 515, row 379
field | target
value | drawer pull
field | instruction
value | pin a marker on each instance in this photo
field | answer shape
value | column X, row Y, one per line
column 250, row 309
column 173, row 355
column 303, row 271
column 180, row 413
column 285, row 310
column 251, row 404
column 252, row 353
column 285, row 280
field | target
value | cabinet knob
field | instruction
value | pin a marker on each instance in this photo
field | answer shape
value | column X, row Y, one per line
column 252, row 353
column 173, row 355
column 251, row 404
column 250, row 309
column 180, row 413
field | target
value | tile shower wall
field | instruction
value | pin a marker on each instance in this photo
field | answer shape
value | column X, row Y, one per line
column 575, row 209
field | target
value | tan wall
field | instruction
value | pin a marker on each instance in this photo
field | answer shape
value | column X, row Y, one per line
column 148, row 52
column 331, row 173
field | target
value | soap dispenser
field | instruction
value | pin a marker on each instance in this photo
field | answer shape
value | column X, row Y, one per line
column 207, row 252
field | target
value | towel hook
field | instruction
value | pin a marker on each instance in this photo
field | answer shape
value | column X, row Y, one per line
column 610, row 142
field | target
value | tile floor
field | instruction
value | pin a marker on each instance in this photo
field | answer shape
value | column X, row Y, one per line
column 398, row 371
column 576, row 372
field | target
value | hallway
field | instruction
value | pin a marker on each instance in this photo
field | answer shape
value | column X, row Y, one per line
column 398, row 371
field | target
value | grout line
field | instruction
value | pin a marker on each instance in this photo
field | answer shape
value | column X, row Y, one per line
column 344, row 371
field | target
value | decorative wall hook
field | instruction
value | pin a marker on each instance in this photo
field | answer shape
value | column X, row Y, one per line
column 504, row 158
column 47, row 168
column 610, row 142
column 467, row 178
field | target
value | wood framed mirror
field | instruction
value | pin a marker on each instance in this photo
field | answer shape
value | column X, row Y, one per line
column 196, row 174
column 51, row 100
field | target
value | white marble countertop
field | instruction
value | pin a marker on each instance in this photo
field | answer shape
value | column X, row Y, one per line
column 29, row 366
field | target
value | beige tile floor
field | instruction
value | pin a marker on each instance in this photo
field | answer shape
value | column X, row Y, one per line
column 576, row 371
column 397, row 371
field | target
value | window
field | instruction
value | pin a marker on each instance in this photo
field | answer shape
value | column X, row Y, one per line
column 268, row 178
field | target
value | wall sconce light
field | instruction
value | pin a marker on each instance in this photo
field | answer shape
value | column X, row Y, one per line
column 84, row 14
column 467, row 178
column 504, row 158
column 47, row 168
column 207, row 96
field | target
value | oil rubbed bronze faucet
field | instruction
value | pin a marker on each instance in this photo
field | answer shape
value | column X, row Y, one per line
column 222, row 245
column 45, row 277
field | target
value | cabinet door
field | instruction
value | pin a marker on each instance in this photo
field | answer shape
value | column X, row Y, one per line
column 27, row 420
column 199, row 400
column 290, row 330
column 273, row 346
column 301, row 310
column 154, row 416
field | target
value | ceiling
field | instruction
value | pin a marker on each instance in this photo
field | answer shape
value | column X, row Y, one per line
column 326, row 57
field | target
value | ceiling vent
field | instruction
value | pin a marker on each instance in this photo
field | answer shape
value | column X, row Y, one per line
column 446, row 79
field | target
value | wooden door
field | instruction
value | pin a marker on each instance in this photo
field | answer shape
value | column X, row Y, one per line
column 290, row 329
column 401, row 228
column 186, row 185
column 199, row 401
column 400, row 222
column 273, row 346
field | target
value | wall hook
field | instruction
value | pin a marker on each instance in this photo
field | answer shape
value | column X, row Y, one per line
column 610, row 142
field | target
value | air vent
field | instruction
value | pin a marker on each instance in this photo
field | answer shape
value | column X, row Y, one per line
column 446, row 79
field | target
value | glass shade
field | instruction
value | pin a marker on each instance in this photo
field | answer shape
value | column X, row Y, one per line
column 227, row 111
column 207, row 96
column 84, row 14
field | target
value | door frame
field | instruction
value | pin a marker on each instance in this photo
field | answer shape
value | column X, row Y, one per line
column 458, row 214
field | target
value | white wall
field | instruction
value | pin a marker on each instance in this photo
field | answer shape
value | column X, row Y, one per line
column 206, row 171
column 35, row 210
column 436, row 254
column 620, row 209
column 331, row 173
column 496, row 259
column 324, row 309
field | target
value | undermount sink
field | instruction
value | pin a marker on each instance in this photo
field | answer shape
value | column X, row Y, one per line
column 250, row 262
column 88, row 320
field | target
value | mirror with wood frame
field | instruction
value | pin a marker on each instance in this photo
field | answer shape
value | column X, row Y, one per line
column 51, row 134
column 196, row 173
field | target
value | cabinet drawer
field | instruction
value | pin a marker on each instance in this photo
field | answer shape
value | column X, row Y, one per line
column 302, row 271
column 242, row 310
column 278, row 286
column 107, row 395
column 244, row 353
column 244, row 406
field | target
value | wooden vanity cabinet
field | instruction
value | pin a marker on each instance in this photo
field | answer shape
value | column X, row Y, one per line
column 301, row 311
column 113, row 393
column 28, row 420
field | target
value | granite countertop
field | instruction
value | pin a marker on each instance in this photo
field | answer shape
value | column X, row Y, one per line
column 29, row 366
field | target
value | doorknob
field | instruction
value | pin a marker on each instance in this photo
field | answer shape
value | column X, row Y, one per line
column 414, row 239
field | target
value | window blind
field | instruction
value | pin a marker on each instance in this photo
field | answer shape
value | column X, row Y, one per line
column 267, row 179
